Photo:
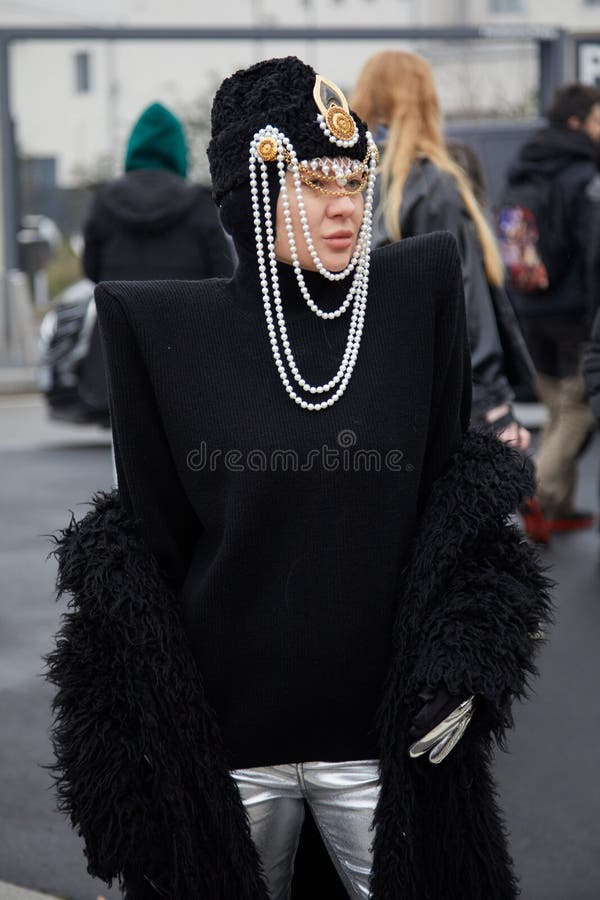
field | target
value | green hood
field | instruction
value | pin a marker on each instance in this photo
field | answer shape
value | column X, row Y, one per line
column 157, row 141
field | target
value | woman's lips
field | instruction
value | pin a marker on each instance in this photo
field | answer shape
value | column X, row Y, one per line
column 340, row 240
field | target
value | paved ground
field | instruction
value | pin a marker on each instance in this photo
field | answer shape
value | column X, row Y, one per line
column 16, row 379
column 12, row 892
column 44, row 470
column 549, row 782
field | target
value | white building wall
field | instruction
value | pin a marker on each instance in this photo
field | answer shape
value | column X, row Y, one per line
column 574, row 15
column 51, row 118
column 80, row 129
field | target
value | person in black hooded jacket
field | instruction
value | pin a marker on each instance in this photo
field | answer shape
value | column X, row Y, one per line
column 556, row 321
column 151, row 223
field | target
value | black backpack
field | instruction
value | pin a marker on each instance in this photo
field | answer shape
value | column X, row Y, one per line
column 533, row 236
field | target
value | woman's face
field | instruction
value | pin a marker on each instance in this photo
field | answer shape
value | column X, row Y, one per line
column 334, row 223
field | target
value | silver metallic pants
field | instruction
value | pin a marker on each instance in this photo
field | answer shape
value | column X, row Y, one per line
column 342, row 798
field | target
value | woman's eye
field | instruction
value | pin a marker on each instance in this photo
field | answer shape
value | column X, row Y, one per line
column 354, row 184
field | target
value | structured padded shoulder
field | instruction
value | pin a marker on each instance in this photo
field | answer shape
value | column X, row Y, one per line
column 428, row 263
column 433, row 255
column 143, row 298
column 438, row 246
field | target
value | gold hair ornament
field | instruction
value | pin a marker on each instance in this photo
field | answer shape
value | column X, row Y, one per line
column 335, row 118
column 267, row 149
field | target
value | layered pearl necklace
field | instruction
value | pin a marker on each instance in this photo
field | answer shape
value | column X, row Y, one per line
column 267, row 266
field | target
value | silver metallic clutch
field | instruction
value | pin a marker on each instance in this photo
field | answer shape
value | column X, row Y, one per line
column 445, row 736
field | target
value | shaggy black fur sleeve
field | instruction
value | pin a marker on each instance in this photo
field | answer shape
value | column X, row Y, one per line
column 482, row 634
column 479, row 597
column 470, row 601
column 140, row 769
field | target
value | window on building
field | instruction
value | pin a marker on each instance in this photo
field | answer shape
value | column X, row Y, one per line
column 83, row 80
column 38, row 172
column 507, row 6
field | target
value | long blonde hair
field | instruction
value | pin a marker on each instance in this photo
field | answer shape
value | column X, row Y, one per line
column 396, row 89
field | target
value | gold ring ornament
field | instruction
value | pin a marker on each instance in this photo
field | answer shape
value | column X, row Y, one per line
column 267, row 149
column 340, row 123
column 334, row 118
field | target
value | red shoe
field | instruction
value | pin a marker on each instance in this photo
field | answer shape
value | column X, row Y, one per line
column 536, row 526
column 573, row 521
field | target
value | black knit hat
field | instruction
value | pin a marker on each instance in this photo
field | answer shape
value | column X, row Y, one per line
column 276, row 92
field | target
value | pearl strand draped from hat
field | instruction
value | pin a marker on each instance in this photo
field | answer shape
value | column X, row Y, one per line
column 267, row 264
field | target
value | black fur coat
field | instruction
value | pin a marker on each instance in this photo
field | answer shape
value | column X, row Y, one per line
column 140, row 766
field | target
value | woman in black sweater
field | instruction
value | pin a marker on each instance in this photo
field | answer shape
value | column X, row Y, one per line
column 307, row 566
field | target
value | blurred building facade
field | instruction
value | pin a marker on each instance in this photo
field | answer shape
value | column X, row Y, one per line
column 73, row 102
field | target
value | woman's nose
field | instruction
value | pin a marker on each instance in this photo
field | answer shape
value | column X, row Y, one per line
column 341, row 206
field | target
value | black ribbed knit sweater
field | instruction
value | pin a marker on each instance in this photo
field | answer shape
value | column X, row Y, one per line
column 282, row 530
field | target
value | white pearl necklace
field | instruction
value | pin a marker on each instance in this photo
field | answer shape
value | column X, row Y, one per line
column 359, row 263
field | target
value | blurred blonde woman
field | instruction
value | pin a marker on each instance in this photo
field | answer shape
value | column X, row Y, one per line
column 422, row 189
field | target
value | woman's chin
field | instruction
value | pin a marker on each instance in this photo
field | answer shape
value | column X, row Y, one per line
column 336, row 262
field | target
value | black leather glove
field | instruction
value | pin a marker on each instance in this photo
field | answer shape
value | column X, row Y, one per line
column 440, row 723
column 437, row 704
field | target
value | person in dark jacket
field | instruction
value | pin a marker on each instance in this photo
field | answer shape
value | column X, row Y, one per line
column 307, row 587
column 152, row 223
column 591, row 369
column 422, row 190
column 556, row 321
